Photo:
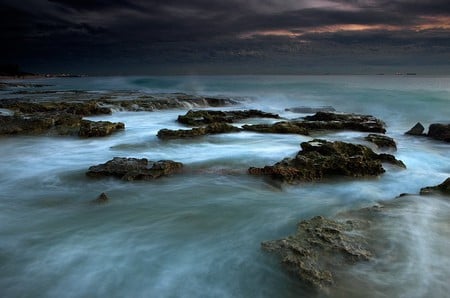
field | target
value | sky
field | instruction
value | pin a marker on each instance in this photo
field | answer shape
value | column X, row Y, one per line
column 127, row 37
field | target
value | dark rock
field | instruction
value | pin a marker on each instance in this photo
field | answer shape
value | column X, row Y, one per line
column 82, row 108
column 443, row 188
column 307, row 110
column 439, row 132
column 98, row 128
column 416, row 130
column 202, row 117
column 10, row 125
column 337, row 121
column 134, row 169
column 279, row 127
column 214, row 128
column 381, row 141
column 318, row 246
column 102, row 199
column 320, row 158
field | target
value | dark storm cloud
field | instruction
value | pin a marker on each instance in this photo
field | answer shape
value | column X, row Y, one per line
column 216, row 31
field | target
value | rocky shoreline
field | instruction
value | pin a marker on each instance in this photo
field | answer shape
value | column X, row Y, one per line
column 320, row 244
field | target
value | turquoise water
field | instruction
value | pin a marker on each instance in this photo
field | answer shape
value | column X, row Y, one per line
column 198, row 234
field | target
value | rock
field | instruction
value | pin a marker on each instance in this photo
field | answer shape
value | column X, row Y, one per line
column 134, row 169
column 202, row 117
column 439, row 132
column 102, row 199
column 381, row 141
column 82, row 108
column 318, row 246
column 279, row 127
column 338, row 121
column 308, row 110
column 319, row 159
column 10, row 125
column 214, row 128
column 98, row 128
column 443, row 188
column 416, row 130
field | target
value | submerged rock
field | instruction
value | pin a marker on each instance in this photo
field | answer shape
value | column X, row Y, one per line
column 319, row 159
column 439, row 132
column 99, row 128
column 318, row 246
column 102, row 199
column 416, row 130
column 381, row 141
column 443, row 188
column 134, row 169
column 214, row 128
column 202, row 117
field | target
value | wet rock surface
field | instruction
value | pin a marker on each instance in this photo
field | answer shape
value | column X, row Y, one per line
column 101, row 199
column 318, row 246
column 322, row 121
column 99, row 128
column 439, row 132
column 416, row 130
column 279, row 127
column 319, row 159
column 214, row 128
column 308, row 110
column 443, row 188
column 339, row 121
column 381, row 141
column 202, row 117
column 130, row 169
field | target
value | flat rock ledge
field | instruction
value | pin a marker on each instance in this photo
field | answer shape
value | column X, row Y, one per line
column 202, row 117
column 318, row 246
column 319, row 159
column 56, row 124
column 322, row 121
column 130, row 169
column 214, row 128
column 443, row 188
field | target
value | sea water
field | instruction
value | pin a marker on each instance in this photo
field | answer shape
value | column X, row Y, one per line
column 198, row 234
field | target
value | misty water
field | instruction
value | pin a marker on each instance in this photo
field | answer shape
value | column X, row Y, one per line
column 198, row 234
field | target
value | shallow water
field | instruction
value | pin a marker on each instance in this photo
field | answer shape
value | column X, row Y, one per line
column 199, row 233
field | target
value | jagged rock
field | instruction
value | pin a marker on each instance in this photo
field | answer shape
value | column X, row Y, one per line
column 98, row 128
column 439, row 132
column 279, row 127
column 320, row 158
column 202, row 117
column 318, row 246
column 381, row 141
column 416, row 130
column 102, row 199
column 443, row 188
column 307, row 110
column 134, row 169
column 214, row 128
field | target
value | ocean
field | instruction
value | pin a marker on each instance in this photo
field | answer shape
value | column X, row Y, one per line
column 199, row 233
